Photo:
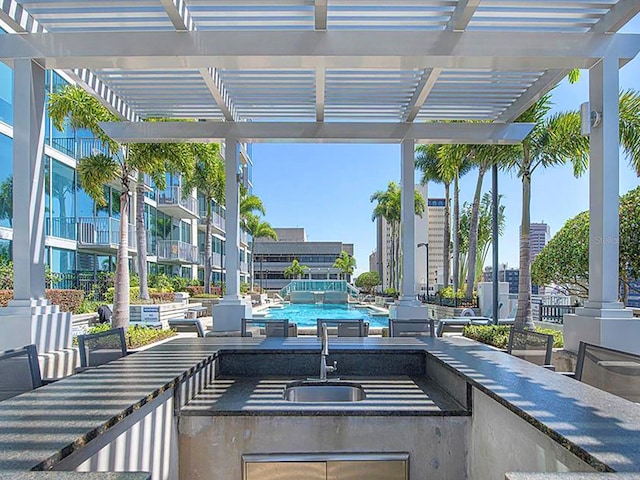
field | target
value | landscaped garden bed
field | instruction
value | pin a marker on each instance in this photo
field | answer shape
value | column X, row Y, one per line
column 136, row 336
column 498, row 335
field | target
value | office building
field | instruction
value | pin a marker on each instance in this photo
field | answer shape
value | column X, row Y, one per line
column 273, row 257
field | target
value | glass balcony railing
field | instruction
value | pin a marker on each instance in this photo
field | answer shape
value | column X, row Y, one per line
column 176, row 250
column 102, row 231
column 217, row 220
column 216, row 260
column 176, row 204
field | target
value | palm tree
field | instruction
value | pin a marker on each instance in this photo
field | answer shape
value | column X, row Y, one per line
column 630, row 126
column 255, row 227
column 346, row 263
column 554, row 140
column 83, row 111
column 154, row 159
column 388, row 207
column 295, row 270
column 208, row 178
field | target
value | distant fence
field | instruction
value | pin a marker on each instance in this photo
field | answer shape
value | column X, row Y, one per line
column 554, row 313
column 91, row 283
column 449, row 302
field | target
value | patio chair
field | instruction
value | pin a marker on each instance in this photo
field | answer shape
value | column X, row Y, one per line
column 267, row 327
column 532, row 346
column 613, row 371
column 421, row 327
column 458, row 323
column 100, row 348
column 19, row 371
column 344, row 327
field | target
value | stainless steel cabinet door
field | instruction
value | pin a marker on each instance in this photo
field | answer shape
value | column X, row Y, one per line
column 285, row 470
column 367, row 470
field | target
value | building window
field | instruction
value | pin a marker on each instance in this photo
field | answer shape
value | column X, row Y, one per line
column 62, row 261
column 6, row 94
column 6, row 181
column 61, row 199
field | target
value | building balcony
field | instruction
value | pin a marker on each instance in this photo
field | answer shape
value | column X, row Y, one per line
column 102, row 234
column 172, row 202
column 244, row 267
column 217, row 222
column 175, row 251
column 62, row 227
column 244, row 238
column 216, row 260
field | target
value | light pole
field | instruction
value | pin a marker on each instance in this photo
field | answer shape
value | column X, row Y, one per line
column 426, row 265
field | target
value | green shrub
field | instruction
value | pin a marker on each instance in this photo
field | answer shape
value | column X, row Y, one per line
column 134, row 294
column 67, row 300
column 194, row 290
column 89, row 306
column 161, row 282
column 447, row 292
column 244, row 288
column 494, row 335
column 162, row 297
column 179, row 284
column 206, row 295
column 391, row 292
column 498, row 335
column 137, row 336
column 5, row 296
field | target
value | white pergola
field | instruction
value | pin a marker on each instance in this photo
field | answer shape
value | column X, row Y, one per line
column 319, row 71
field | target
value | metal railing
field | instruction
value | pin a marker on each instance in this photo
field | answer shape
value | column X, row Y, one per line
column 177, row 250
column 102, row 231
column 62, row 227
column 217, row 220
column 449, row 302
column 216, row 259
column 319, row 286
column 244, row 266
column 554, row 313
column 93, row 284
column 173, row 196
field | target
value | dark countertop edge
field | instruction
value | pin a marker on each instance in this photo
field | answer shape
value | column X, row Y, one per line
column 599, row 465
column 81, row 442
column 320, row 413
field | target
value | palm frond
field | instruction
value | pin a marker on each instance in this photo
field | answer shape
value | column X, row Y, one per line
column 630, row 127
column 96, row 171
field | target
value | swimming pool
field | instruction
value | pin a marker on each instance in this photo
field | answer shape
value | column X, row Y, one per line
column 305, row 315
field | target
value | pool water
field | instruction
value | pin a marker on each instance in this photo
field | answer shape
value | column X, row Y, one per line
column 305, row 315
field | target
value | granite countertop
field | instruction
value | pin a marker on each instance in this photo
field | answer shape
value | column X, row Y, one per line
column 39, row 428
column 393, row 396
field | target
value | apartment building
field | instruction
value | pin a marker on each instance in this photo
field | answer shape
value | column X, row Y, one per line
column 82, row 237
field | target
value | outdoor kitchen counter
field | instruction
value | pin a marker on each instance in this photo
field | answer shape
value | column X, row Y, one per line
column 40, row 428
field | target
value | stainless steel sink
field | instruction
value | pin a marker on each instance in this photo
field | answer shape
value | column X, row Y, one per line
column 307, row 391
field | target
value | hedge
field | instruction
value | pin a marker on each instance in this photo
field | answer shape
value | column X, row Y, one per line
column 199, row 290
column 68, row 300
column 498, row 335
column 162, row 297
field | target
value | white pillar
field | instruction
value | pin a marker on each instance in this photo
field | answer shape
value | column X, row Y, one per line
column 407, row 231
column 232, row 205
column 228, row 314
column 603, row 320
column 29, row 318
column 408, row 306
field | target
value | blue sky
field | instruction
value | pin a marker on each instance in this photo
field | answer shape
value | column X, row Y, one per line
column 326, row 188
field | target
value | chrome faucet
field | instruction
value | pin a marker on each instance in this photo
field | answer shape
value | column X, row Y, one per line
column 324, row 369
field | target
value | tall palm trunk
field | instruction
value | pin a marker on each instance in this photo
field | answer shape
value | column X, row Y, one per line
column 473, row 235
column 141, row 240
column 207, row 250
column 251, row 265
column 456, row 235
column 523, row 315
column 121, row 295
column 398, row 258
column 446, row 260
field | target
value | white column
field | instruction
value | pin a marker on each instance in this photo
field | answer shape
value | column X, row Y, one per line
column 227, row 315
column 29, row 318
column 28, row 181
column 407, row 207
column 604, row 160
column 232, row 205
column 603, row 320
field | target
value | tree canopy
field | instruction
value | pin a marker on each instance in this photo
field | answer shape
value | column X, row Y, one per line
column 564, row 261
column 368, row 280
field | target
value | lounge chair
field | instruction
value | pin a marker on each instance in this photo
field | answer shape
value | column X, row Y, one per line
column 268, row 327
column 458, row 323
column 190, row 325
column 344, row 327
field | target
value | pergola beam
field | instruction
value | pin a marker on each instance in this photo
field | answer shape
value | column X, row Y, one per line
column 214, row 83
column 319, row 132
column 618, row 16
column 17, row 18
column 320, row 92
column 462, row 14
column 178, row 13
column 331, row 49
column 320, row 14
column 427, row 82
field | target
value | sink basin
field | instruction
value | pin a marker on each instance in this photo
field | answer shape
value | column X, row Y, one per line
column 324, row 392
